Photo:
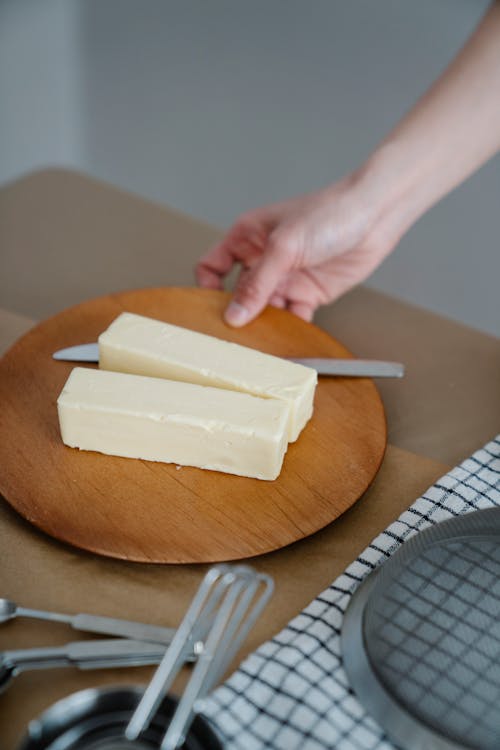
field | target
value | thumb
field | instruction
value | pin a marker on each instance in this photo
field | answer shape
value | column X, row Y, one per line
column 257, row 285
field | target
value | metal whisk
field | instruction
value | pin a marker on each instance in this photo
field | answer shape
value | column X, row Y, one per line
column 224, row 609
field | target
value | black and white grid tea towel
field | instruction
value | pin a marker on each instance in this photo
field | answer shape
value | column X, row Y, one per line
column 292, row 693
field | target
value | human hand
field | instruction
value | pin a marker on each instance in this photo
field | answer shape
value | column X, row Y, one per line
column 299, row 254
column 310, row 250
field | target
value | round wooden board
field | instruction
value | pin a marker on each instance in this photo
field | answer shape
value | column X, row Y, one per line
column 152, row 512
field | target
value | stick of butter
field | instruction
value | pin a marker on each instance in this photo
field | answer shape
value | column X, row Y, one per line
column 182, row 423
column 144, row 346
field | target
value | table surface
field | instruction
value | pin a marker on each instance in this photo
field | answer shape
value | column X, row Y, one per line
column 65, row 238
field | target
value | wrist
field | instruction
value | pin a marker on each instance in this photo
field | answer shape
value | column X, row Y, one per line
column 394, row 186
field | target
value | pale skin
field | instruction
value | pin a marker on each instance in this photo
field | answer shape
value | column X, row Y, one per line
column 308, row 251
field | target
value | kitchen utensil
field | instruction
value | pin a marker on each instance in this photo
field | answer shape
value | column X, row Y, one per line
column 352, row 368
column 153, row 512
column 102, row 654
column 91, row 623
column 421, row 637
column 223, row 611
column 358, row 368
column 221, row 614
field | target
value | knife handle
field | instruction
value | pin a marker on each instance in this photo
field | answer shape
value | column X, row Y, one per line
column 353, row 368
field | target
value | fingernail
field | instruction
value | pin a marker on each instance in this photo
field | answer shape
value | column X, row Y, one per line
column 236, row 314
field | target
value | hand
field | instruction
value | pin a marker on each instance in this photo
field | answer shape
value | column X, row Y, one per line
column 310, row 250
column 298, row 254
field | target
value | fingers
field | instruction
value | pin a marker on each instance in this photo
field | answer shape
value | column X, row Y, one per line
column 207, row 278
column 302, row 310
column 278, row 300
column 258, row 285
column 217, row 262
column 242, row 244
column 267, row 253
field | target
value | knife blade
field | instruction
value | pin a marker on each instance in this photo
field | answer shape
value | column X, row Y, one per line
column 354, row 368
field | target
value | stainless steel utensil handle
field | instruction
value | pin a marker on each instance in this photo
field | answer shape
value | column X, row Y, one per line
column 125, row 628
column 221, row 614
column 229, row 630
column 353, row 368
column 40, row 614
column 173, row 659
column 85, row 655
column 104, row 625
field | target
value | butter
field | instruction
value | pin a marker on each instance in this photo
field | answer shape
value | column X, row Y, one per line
column 140, row 345
column 182, row 423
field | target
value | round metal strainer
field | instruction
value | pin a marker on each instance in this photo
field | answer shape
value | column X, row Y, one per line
column 421, row 637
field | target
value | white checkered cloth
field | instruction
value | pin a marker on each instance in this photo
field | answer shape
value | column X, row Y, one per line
column 292, row 693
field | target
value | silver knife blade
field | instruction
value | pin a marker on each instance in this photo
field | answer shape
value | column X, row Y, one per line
column 80, row 353
column 353, row 368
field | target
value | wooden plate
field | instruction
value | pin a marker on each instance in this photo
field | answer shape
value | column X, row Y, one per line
column 152, row 512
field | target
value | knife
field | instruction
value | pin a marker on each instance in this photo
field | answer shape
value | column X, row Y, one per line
column 354, row 368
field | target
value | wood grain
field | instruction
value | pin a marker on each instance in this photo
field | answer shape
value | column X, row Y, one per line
column 151, row 512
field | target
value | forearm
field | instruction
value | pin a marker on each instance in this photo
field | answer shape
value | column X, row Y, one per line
column 449, row 133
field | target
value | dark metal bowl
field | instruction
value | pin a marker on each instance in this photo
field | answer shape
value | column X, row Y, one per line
column 95, row 719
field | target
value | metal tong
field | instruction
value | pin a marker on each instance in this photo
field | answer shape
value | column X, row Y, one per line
column 224, row 609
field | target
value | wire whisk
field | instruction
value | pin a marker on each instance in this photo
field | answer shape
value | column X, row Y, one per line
column 218, row 620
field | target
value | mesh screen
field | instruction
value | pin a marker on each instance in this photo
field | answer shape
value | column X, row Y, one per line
column 432, row 634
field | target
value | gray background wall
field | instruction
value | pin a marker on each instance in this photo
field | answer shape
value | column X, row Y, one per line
column 214, row 107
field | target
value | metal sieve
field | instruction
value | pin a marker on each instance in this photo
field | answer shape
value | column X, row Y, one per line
column 421, row 637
